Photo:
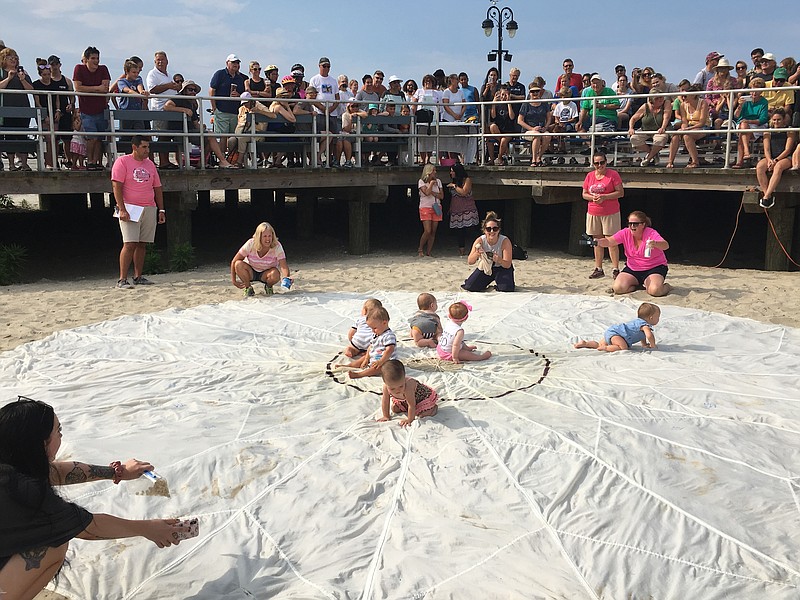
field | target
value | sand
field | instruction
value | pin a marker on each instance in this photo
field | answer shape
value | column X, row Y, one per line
column 33, row 311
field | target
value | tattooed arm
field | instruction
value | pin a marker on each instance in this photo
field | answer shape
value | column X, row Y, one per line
column 162, row 532
column 69, row 472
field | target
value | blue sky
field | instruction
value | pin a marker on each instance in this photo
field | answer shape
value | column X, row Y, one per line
column 404, row 37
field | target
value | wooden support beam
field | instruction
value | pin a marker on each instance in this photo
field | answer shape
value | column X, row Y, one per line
column 577, row 227
column 782, row 218
column 232, row 199
column 204, row 200
column 179, row 207
column 63, row 202
column 521, row 215
column 556, row 195
column 306, row 203
column 97, row 201
column 263, row 202
column 501, row 192
column 358, row 209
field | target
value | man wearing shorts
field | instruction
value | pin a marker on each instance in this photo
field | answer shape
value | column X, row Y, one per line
column 227, row 82
column 137, row 192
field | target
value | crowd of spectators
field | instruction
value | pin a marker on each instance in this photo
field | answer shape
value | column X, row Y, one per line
column 579, row 102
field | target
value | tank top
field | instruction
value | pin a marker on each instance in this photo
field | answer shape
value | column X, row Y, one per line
column 497, row 248
column 777, row 143
column 61, row 86
column 257, row 86
column 651, row 121
column 694, row 117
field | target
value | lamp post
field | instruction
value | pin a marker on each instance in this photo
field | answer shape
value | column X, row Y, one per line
column 499, row 17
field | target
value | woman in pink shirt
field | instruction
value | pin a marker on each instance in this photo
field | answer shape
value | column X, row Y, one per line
column 261, row 258
column 602, row 189
column 645, row 262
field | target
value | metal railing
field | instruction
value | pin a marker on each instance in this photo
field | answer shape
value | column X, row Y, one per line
column 439, row 129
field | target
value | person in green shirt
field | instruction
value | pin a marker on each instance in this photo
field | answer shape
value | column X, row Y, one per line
column 606, row 119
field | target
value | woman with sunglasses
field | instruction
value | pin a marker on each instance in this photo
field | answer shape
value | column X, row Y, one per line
column 602, row 189
column 694, row 114
column 645, row 262
column 498, row 250
column 36, row 524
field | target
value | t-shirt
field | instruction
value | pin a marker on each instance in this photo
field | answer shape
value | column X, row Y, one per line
column 427, row 201
column 327, row 88
column 452, row 98
column 606, row 109
column 363, row 334
column 262, row 263
column 565, row 111
column 634, row 257
column 534, row 114
column 367, row 98
column 517, row 89
column 427, row 323
column 754, row 110
column 91, row 105
column 610, row 181
column 470, row 95
column 19, row 100
column 221, row 84
column 432, row 97
column 396, row 98
column 139, row 178
column 575, row 80
column 32, row 515
column 778, row 97
column 52, row 86
column 380, row 342
column 448, row 336
column 631, row 331
column 126, row 101
column 155, row 78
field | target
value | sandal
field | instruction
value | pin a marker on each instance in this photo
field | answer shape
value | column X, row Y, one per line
column 669, row 165
column 691, row 165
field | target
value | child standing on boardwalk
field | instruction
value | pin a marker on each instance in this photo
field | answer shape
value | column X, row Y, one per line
column 451, row 343
column 405, row 395
column 426, row 327
column 361, row 334
column 624, row 335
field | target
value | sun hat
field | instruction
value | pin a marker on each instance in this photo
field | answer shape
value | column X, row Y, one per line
column 283, row 93
column 723, row 64
column 393, row 78
column 232, row 58
column 189, row 83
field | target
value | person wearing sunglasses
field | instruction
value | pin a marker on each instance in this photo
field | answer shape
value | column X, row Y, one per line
column 37, row 524
column 492, row 252
column 602, row 189
column 778, row 148
column 645, row 261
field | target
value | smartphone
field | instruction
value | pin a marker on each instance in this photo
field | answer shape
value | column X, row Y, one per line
column 194, row 530
column 747, row 98
column 20, row 69
column 234, row 87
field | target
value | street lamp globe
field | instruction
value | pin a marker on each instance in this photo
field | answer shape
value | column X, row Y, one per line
column 511, row 28
column 487, row 25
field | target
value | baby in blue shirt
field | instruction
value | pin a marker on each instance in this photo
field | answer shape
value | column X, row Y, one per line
column 625, row 335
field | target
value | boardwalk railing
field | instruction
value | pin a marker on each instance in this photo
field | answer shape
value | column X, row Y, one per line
column 467, row 139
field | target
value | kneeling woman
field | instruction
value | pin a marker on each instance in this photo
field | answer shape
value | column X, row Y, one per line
column 260, row 259
column 36, row 524
column 645, row 262
column 492, row 251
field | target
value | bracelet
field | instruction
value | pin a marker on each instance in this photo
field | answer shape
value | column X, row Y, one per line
column 117, row 466
column 162, row 210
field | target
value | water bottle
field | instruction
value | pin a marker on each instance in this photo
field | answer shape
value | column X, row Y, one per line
column 647, row 250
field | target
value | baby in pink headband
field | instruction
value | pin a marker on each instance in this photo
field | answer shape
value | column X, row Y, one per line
column 451, row 342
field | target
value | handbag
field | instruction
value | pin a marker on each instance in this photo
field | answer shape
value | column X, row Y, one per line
column 425, row 115
column 437, row 208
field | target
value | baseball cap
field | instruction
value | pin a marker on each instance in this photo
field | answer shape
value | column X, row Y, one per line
column 371, row 106
column 271, row 68
column 393, row 78
column 768, row 56
column 325, row 60
column 713, row 55
column 245, row 96
column 596, row 77
column 298, row 67
column 619, row 68
column 780, row 73
column 51, row 60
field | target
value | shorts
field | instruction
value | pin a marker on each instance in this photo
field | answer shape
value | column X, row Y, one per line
column 225, row 122
column 641, row 276
column 444, row 354
column 603, row 225
column 143, row 230
column 427, row 214
column 640, row 139
column 94, row 123
column 426, row 404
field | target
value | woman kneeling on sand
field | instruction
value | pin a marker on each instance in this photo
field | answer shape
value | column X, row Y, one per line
column 645, row 262
column 261, row 258
column 36, row 524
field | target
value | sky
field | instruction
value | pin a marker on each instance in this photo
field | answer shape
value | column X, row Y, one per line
column 407, row 38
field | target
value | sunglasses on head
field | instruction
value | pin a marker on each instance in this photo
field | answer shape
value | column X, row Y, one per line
column 491, row 229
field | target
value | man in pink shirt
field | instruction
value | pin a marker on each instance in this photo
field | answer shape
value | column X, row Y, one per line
column 140, row 204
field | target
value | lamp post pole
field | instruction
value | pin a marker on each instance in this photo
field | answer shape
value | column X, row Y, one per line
column 500, row 17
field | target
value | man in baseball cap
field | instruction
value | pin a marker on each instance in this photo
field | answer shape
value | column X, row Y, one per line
column 704, row 76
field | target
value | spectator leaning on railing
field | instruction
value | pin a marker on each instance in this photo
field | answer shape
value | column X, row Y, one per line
column 227, row 82
column 91, row 76
column 161, row 85
column 14, row 77
column 606, row 119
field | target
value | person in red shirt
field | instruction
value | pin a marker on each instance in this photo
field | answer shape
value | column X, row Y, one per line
column 91, row 76
column 575, row 79
column 602, row 189
column 137, row 192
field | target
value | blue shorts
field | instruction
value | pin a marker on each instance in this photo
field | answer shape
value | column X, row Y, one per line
column 94, row 123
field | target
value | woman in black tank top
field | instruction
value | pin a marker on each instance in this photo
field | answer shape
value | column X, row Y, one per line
column 778, row 147
column 256, row 85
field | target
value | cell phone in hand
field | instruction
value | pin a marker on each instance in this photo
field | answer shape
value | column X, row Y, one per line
column 194, row 530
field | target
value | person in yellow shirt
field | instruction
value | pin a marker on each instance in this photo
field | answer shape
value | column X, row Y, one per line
column 779, row 98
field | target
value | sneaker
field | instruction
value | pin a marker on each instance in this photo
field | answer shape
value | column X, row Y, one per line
column 334, row 164
column 124, row 284
column 597, row 274
column 614, row 273
column 249, row 292
column 268, row 290
column 348, row 164
column 645, row 163
column 767, row 202
column 141, row 281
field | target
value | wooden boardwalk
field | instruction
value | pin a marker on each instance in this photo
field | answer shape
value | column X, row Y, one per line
column 519, row 186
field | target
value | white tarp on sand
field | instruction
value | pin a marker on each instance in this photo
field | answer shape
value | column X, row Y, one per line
column 549, row 472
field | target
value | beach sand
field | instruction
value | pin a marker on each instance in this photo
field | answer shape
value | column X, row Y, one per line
column 35, row 310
